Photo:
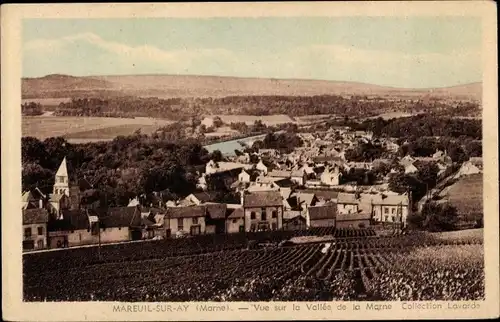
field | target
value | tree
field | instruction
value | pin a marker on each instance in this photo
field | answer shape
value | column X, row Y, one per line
column 216, row 156
column 427, row 173
column 439, row 217
column 218, row 122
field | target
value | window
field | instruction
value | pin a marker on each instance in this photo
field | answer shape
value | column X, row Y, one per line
column 27, row 232
column 393, row 218
column 274, row 214
column 386, row 210
column 386, row 217
column 274, row 226
column 40, row 230
column 393, row 210
column 264, row 215
column 39, row 244
column 61, row 179
column 195, row 221
column 80, row 237
column 234, row 221
column 180, row 224
column 252, row 215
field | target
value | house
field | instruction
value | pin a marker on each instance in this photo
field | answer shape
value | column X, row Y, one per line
column 322, row 216
column 235, row 222
column 352, row 221
column 148, row 222
column 208, row 122
column 214, row 167
column 295, row 223
column 33, row 199
column 331, row 177
column 269, row 152
column 358, row 165
column 222, row 180
column 83, row 227
column 263, row 210
column 262, row 167
column 473, row 166
column 383, row 207
column 410, row 168
column 189, row 219
column 35, row 228
column 244, row 176
column 280, row 174
column 215, row 218
column 299, row 177
column 199, row 198
column 323, row 195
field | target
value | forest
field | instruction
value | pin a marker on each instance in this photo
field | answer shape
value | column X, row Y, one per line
column 183, row 108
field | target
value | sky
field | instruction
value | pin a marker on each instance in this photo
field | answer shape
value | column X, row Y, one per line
column 416, row 52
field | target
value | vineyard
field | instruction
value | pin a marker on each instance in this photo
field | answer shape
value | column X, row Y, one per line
column 412, row 267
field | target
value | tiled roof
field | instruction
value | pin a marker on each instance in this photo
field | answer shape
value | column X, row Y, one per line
column 237, row 213
column 121, row 217
column 216, row 210
column 56, row 197
column 285, row 183
column 35, row 216
column 263, row 199
column 321, row 194
column 186, row 212
column 323, row 212
column 73, row 220
column 279, row 173
column 205, row 196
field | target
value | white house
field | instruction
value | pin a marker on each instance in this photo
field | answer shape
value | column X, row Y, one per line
column 331, row 177
column 262, row 167
column 244, row 176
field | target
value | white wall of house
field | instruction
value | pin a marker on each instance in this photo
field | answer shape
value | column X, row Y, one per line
column 347, row 208
column 254, row 216
column 108, row 235
column 262, row 167
column 244, row 177
column 185, row 224
column 233, row 225
column 389, row 213
column 37, row 233
column 330, row 178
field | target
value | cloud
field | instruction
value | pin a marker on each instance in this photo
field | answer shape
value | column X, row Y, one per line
column 90, row 54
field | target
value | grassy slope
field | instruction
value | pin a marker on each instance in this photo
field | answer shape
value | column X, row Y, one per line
column 202, row 86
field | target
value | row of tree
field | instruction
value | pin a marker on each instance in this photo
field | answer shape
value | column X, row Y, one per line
column 183, row 108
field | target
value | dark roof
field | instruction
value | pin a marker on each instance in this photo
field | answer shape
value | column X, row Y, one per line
column 323, row 212
column 237, row 213
column 263, row 199
column 284, row 183
column 206, row 196
column 72, row 220
column 186, row 212
column 294, row 203
column 322, row 194
column 84, row 184
column 298, row 218
column 35, row 216
column 353, row 217
column 216, row 210
column 121, row 217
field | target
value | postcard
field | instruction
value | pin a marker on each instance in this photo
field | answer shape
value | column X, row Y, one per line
column 249, row 161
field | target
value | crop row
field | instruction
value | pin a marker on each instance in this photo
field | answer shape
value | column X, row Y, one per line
column 307, row 272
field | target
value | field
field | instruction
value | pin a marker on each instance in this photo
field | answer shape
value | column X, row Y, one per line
column 466, row 194
column 250, row 119
column 165, row 86
column 83, row 128
column 352, row 265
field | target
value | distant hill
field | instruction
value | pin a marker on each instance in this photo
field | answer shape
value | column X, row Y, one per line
column 168, row 86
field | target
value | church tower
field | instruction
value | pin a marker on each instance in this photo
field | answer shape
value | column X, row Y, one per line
column 61, row 183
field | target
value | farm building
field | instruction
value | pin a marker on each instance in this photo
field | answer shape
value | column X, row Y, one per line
column 35, row 228
column 322, row 216
column 263, row 210
column 352, row 220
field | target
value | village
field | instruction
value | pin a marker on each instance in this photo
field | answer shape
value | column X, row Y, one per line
column 266, row 189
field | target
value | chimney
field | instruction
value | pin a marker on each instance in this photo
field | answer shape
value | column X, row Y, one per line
column 242, row 197
column 40, row 202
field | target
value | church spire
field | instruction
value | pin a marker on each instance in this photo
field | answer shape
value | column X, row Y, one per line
column 63, row 169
